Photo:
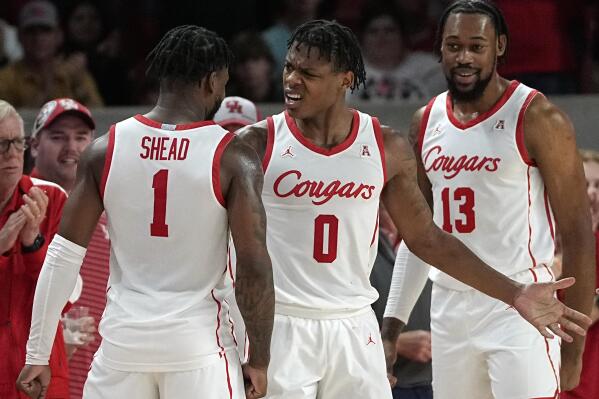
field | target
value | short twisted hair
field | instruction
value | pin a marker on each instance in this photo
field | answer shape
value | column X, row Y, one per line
column 188, row 53
column 335, row 42
column 485, row 7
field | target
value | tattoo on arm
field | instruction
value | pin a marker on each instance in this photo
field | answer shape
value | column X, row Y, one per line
column 254, row 288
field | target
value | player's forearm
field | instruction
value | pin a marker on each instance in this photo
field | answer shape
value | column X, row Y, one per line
column 410, row 274
column 56, row 282
column 254, row 291
column 451, row 256
column 391, row 328
column 579, row 262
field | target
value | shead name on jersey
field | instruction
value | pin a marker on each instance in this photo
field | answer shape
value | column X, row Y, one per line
column 164, row 148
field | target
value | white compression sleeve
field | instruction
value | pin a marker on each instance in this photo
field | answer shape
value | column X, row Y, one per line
column 55, row 283
column 409, row 278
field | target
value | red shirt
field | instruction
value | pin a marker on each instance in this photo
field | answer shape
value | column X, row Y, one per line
column 589, row 378
column 589, row 381
column 18, row 277
column 94, row 273
column 540, row 38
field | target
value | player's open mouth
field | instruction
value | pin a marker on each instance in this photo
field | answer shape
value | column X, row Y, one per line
column 69, row 161
column 465, row 78
column 292, row 99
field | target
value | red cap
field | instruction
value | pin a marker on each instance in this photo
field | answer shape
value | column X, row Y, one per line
column 54, row 108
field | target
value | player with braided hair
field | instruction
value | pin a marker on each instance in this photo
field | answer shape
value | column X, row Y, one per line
column 326, row 167
column 172, row 184
column 498, row 164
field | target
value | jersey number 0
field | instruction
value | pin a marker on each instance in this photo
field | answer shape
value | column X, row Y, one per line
column 326, row 231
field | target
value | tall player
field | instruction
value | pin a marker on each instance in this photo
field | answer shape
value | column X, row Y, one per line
column 326, row 166
column 172, row 183
column 497, row 162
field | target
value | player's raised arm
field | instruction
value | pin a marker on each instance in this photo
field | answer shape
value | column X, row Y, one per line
column 550, row 141
column 411, row 213
column 242, row 178
column 61, row 267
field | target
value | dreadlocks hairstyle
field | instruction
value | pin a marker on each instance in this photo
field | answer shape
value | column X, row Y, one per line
column 485, row 7
column 188, row 53
column 335, row 42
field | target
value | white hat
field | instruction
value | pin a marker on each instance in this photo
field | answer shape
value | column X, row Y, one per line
column 237, row 110
column 38, row 13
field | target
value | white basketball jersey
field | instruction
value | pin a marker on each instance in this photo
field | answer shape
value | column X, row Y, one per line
column 322, row 210
column 486, row 190
column 168, row 227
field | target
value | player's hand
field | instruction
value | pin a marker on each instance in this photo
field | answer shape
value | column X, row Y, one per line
column 539, row 306
column 415, row 345
column 11, row 229
column 34, row 209
column 390, row 349
column 571, row 367
column 34, row 381
column 255, row 381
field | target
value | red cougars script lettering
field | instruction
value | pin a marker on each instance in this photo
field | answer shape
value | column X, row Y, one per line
column 290, row 183
column 452, row 165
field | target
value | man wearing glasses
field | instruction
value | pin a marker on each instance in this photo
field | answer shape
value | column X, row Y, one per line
column 30, row 211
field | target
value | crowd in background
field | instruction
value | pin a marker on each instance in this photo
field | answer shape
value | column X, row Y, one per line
column 94, row 51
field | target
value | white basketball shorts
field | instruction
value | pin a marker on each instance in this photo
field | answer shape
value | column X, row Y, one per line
column 483, row 349
column 328, row 359
column 220, row 380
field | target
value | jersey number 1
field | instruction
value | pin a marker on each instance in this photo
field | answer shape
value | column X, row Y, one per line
column 158, row 227
column 468, row 223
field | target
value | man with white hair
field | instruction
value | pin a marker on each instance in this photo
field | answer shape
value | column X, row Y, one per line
column 30, row 211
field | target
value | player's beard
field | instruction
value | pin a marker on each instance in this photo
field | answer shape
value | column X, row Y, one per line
column 210, row 114
column 474, row 93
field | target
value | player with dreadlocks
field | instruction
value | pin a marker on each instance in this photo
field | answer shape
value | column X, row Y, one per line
column 326, row 167
column 172, row 184
column 498, row 163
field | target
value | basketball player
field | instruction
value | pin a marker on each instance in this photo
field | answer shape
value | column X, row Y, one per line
column 172, row 183
column 325, row 169
column 497, row 162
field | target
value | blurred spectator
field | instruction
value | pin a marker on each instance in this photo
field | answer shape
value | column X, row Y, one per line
column 592, row 33
column 589, row 383
column 393, row 72
column 41, row 75
column 413, row 368
column 546, row 43
column 590, row 159
column 419, row 25
column 10, row 48
column 236, row 112
column 291, row 14
column 92, row 43
column 346, row 12
column 30, row 211
column 252, row 75
column 145, row 89
column 61, row 132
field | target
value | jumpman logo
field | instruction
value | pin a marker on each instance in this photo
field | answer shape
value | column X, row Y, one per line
column 287, row 153
column 370, row 341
